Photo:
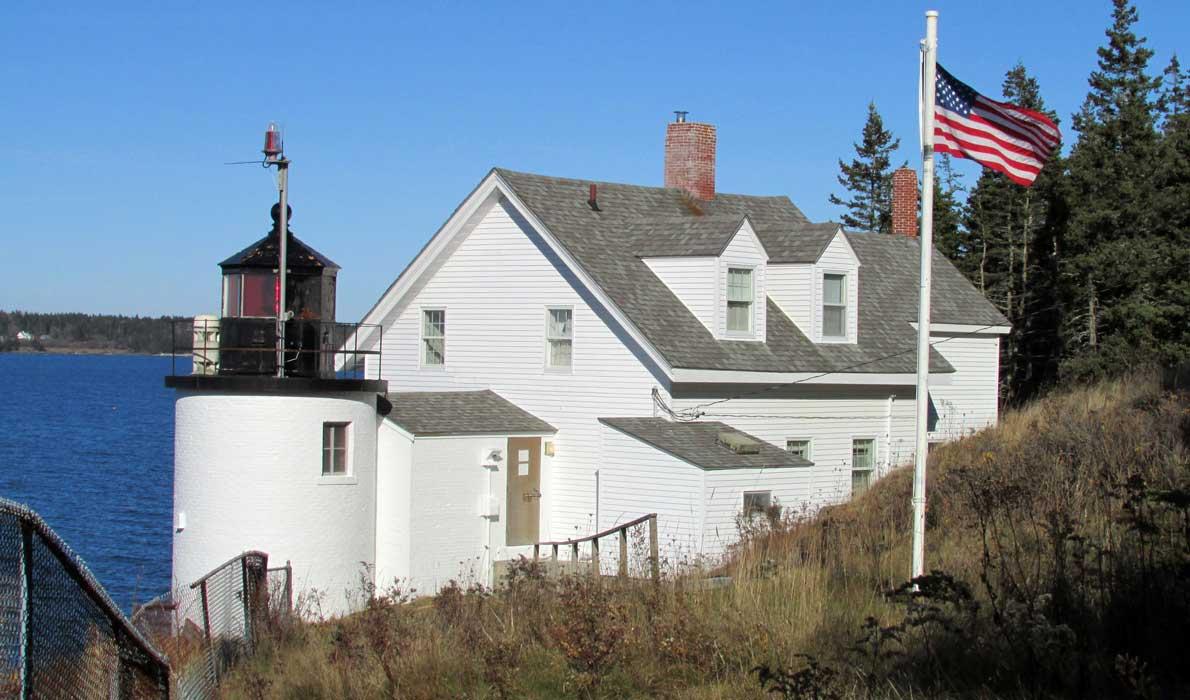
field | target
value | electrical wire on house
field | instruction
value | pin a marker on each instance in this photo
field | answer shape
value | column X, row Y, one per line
column 696, row 412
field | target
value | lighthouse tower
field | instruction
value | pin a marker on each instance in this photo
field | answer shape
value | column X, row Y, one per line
column 276, row 423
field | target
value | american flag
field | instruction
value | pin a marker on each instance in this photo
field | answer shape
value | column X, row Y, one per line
column 1001, row 136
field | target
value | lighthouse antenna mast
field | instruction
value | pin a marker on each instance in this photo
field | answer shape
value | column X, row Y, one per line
column 274, row 154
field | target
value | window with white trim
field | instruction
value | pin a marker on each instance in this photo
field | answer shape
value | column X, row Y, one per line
column 834, row 306
column 559, row 338
column 757, row 503
column 433, row 337
column 799, row 448
column 739, row 300
column 334, row 448
column 863, row 465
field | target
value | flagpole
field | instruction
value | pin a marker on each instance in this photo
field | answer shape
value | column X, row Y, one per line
column 926, row 112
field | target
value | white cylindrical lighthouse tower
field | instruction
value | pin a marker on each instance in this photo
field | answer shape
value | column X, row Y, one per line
column 275, row 433
column 249, row 475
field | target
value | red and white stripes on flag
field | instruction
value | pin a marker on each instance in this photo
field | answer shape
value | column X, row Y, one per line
column 998, row 135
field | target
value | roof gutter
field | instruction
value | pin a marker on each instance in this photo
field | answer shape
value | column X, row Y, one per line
column 717, row 376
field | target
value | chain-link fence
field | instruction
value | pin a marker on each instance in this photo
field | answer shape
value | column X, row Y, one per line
column 219, row 620
column 61, row 636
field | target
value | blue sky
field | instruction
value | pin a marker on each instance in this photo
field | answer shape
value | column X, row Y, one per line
column 117, row 118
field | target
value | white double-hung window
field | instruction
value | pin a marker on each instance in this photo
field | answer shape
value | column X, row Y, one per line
column 739, row 300
column 433, row 337
column 863, row 465
column 834, row 306
column 559, row 338
column 334, row 449
column 798, row 448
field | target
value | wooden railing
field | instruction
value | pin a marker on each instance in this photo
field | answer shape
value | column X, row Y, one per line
column 622, row 531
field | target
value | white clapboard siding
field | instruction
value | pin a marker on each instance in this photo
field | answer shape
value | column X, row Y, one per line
column 725, row 500
column 636, row 479
column 744, row 250
column 971, row 401
column 837, row 258
column 449, row 538
column 791, row 287
column 830, row 417
column 495, row 288
column 692, row 280
column 394, row 461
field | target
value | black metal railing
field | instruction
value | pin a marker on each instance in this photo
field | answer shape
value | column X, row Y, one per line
column 61, row 636
column 248, row 347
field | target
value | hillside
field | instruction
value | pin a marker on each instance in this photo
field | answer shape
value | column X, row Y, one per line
column 1060, row 540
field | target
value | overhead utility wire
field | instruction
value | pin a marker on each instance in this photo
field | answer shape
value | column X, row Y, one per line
column 696, row 412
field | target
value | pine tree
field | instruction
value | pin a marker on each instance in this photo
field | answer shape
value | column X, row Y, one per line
column 1011, row 253
column 1112, row 265
column 1174, row 100
column 948, row 211
column 1171, row 217
column 868, row 178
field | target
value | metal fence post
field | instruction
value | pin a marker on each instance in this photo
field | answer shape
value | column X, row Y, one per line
column 245, row 596
column 26, row 609
column 260, row 599
column 288, row 586
column 623, row 552
column 653, row 549
column 206, row 611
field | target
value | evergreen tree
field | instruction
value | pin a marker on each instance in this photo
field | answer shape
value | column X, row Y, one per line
column 1173, row 101
column 868, row 178
column 1011, row 254
column 1112, row 265
column 1171, row 217
column 948, row 211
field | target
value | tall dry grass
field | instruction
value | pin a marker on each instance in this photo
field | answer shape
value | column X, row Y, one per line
column 1060, row 542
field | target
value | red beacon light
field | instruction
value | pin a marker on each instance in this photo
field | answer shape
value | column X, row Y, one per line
column 272, row 144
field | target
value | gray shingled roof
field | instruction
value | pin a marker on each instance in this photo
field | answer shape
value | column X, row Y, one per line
column 462, row 413
column 697, row 443
column 801, row 243
column 684, row 235
column 605, row 242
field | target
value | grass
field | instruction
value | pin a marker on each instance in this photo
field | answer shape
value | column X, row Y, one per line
column 1060, row 541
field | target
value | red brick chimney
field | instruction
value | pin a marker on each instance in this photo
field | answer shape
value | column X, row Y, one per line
column 904, row 202
column 690, row 157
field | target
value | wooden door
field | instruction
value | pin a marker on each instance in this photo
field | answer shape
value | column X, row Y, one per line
column 524, row 491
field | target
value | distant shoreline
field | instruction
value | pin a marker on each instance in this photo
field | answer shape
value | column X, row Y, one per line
column 81, row 351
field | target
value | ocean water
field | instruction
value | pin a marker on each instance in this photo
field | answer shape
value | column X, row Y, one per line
column 87, row 442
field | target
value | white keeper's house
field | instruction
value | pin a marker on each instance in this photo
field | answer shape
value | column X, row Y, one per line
column 564, row 355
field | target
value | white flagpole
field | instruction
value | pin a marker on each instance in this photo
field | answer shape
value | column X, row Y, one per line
column 926, row 112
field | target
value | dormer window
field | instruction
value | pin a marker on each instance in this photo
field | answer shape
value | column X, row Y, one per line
column 740, row 295
column 834, row 306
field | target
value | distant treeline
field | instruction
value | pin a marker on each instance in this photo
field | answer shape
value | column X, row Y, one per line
column 90, row 332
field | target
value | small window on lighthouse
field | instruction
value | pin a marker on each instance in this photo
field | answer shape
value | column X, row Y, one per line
column 334, row 448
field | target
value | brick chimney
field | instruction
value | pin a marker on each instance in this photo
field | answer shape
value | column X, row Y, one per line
column 690, row 157
column 904, row 202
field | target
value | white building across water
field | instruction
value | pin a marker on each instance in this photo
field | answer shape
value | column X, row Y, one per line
column 564, row 355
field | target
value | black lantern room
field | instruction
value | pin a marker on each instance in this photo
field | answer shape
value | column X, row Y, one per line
column 251, row 291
